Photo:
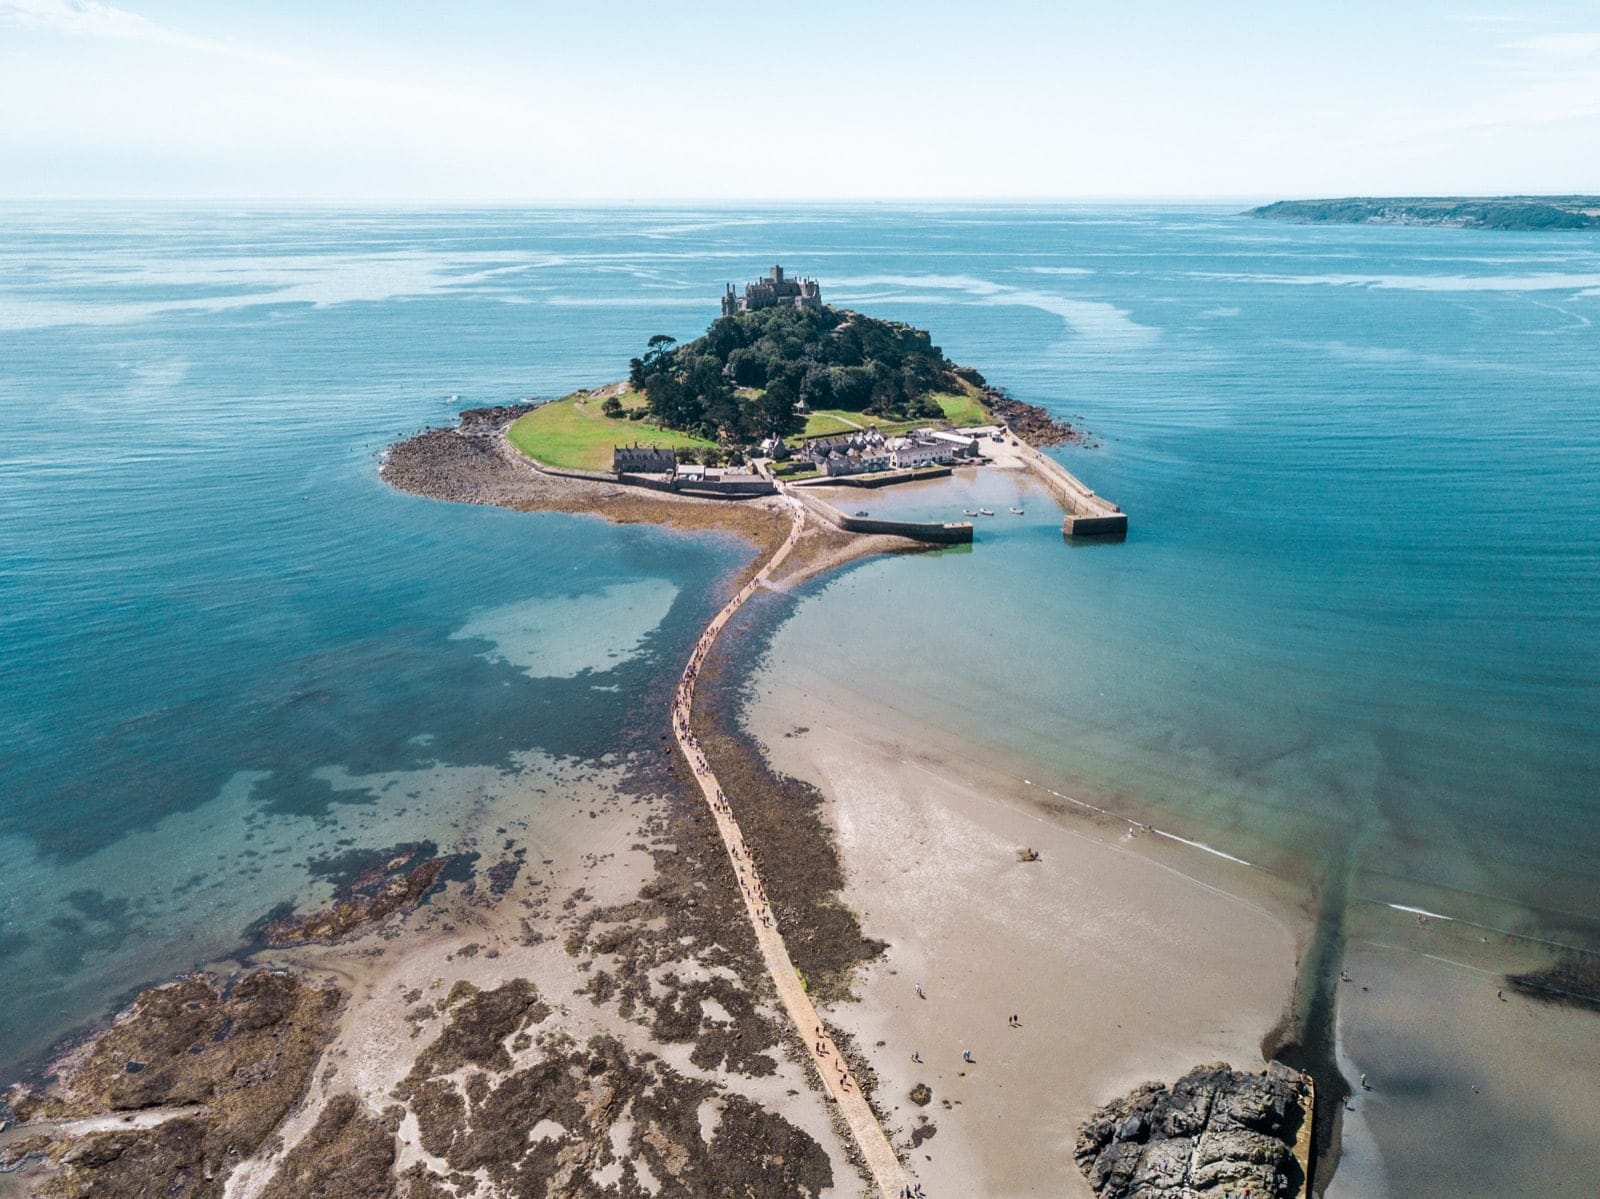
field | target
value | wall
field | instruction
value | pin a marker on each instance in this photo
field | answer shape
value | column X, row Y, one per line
column 1088, row 515
column 930, row 531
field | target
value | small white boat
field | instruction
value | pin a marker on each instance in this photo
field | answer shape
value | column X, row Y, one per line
column 1016, row 512
column 969, row 512
column 984, row 512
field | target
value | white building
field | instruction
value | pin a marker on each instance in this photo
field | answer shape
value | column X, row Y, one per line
column 908, row 453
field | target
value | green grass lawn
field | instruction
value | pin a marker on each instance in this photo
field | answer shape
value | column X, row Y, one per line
column 961, row 409
column 827, row 421
column 573, row 433
column 821, row 424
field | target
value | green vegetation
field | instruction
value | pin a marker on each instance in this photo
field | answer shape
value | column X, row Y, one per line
column 821, row 424
column 576, row 434
column 1461, row 212
column 838, row 420
column 742, row 380
column 962, row 408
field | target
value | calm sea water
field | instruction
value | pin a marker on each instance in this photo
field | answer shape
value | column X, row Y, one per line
column 1356, row 618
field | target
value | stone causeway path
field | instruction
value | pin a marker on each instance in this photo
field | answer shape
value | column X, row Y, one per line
column 888, row 1174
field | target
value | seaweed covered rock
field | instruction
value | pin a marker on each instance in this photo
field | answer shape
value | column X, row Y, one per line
column 1215, row 1132
column 185, row 1084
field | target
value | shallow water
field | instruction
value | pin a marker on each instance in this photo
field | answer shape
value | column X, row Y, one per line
column 1354, row 619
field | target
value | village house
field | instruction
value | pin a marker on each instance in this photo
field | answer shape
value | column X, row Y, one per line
column 775, row 291
column 643, row 460
column 856, row 453
column 855, row 461
column 926, row 447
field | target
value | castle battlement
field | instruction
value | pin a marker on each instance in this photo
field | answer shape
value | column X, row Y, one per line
column 775, row 291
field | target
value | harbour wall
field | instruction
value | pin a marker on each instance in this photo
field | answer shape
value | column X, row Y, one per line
column 739, row 488
column 934, row 532
column 1087, row 514
column 880, row 479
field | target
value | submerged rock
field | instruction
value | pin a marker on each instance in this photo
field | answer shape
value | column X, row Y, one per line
column 1215, row 1132
column 398, row 884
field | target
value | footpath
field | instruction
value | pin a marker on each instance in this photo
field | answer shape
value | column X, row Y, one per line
column 887, row 1173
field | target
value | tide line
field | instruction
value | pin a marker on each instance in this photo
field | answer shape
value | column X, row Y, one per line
column 1160, row 832
column 1400, row 907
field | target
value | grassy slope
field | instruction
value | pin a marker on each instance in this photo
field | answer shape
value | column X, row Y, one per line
column 962, row 408
column 573, row 433
column 838, row 420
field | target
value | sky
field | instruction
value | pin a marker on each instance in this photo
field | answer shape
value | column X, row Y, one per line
column 498, row 101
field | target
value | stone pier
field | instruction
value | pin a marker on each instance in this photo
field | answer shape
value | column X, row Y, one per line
column 1088, row 515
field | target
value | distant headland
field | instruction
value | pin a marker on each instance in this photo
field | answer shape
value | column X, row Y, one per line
column 1455, row 212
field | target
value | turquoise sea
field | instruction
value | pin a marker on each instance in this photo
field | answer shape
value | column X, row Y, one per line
column 1355, row 624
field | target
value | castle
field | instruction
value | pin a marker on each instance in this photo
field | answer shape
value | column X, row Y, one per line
column 773, row 292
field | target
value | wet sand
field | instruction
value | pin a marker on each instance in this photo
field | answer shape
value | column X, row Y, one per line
column 1470, row 1094
column 1125, row 959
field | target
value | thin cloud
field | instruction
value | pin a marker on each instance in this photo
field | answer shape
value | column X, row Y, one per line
column 1560, row 45
column 91, row 19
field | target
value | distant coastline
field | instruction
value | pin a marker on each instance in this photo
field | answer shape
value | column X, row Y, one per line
column 1455, row 212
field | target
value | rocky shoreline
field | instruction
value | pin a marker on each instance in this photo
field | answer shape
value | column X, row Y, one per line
column 250, row 1073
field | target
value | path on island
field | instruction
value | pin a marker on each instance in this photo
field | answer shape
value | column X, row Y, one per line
column 887, row 1172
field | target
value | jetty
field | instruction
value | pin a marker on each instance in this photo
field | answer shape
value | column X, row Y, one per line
column 1087, row 515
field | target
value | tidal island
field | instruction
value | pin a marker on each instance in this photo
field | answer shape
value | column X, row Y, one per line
column 782, row 395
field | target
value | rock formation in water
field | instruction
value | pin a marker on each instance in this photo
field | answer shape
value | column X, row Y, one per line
column 1217, row 1132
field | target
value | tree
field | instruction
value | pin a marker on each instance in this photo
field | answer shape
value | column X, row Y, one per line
column 774, row 412
column 612, row 407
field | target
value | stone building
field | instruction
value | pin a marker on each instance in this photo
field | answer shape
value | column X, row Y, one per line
column 643, row 460
column 775, row 291
column 908, row 453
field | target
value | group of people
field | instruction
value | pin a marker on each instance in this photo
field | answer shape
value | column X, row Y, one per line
column 750, row 883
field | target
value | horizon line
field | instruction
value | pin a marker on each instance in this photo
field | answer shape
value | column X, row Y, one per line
column 724, row 201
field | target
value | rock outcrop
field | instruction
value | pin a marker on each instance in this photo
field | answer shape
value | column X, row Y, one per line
column 184, row 1085
column 1029, row 422
column 1216, row 1133
column 398, row 884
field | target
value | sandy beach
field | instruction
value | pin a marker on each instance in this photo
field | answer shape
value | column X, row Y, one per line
column 1123, row 962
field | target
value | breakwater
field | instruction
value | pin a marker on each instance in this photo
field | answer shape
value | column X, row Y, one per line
column 882, row 478
column 934, row 532
column 1087, row 514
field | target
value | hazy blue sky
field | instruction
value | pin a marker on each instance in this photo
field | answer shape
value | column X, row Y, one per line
column 500, row 100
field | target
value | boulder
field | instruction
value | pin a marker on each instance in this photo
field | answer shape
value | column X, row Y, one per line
column 1215, row 1132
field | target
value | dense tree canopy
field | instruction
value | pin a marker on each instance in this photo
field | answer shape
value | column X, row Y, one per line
column 742, row 380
